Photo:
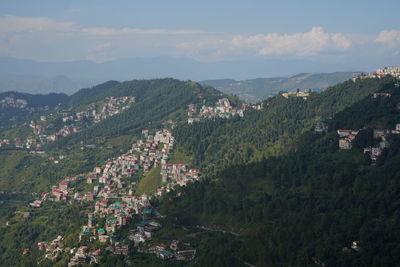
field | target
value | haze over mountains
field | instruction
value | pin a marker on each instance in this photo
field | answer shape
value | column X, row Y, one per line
column 40, row 84
column 30, row 76
column 260, row 88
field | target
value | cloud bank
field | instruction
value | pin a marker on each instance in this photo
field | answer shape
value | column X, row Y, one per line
column 300, row 44
column 43, row 38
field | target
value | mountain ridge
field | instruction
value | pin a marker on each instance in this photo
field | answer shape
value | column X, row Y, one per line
column 253, row 90
column 78, row 74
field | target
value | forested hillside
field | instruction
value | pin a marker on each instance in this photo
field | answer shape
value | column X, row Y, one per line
column 305, row 208
column 273, row 130
column 157, row 101
column 273, row 191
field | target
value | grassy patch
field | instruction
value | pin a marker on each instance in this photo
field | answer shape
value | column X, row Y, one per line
column 180, row 157
column 17, row 169
column 22, row 131
column 150, row 181
column 120, row 141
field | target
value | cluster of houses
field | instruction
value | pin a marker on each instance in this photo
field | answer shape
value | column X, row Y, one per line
column 176, row 250
column 222, row 109
column 346, row 138
column 112, row 106
column 63, row 191
column 40, row 138
column 115, row 215
column 255, row 106
column 37, row 128
column 393, row 71
column 83, row 256
column 54, row 249
column 11, row 102
column 115, row 205
column 380, row 135
column 382, row 95
column 89, row 113
column 4, row 142
column 178, row 173
column 299, row 93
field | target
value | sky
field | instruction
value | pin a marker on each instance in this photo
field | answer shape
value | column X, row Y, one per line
column 350, row 33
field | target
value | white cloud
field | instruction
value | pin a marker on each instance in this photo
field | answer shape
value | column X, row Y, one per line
column 388, row 36
column 13, row 24
column 43, row 38
column 33, row 37
column 300, row 44
column 390, row 39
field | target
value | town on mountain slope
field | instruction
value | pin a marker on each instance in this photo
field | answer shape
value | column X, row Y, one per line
column 114, row 200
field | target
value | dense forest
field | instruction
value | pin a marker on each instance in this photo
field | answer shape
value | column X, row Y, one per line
column 272, row 131
column 304, row 208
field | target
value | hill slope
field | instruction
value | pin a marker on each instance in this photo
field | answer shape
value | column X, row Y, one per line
column 306, row 207
column 271, row 131
column 17, row 107
column 273, row 192
column 156, row 101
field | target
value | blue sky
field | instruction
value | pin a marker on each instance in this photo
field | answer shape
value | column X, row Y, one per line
column 209, row 30
column 245, row 16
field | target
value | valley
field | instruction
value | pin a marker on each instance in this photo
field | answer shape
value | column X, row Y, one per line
column 162, row 172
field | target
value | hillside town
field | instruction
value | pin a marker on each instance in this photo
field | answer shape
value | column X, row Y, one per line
column 222, row 109
column 11, row 102
column 393, row 71
column 111, row 107
column 116, row 205
column 70, row 121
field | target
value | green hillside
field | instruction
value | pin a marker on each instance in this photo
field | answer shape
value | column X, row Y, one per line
column 15, row 113
column 156, row 101
column 26, row 175
column 304, row 208
column 272, row 131
column 273, row 192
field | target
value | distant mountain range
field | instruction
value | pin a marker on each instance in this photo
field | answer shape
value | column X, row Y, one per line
column 40, row 84
column 44, row 77
column 258, row 89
